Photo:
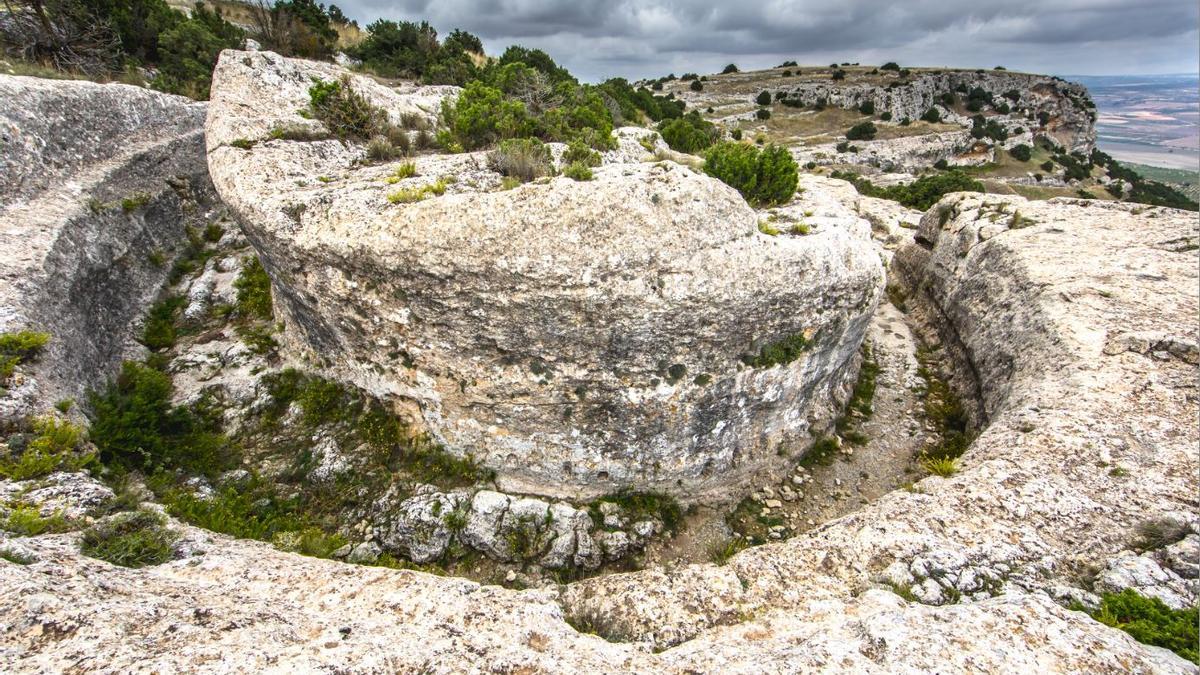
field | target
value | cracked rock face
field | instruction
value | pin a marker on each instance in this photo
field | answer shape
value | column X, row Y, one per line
column 577, row 337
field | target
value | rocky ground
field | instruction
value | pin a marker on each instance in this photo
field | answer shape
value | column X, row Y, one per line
column 1043, row 352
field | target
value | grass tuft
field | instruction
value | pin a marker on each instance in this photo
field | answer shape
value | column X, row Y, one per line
column 133, row 539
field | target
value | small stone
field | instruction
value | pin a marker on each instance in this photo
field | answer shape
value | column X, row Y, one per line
column 342, row 551
column 510, row 577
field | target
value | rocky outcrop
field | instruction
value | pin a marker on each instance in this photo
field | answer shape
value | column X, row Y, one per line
column 554, row 535
column 1067, row 105
column 1071, row 317
column 577, row 337
column 100, row 183
column 909, row 153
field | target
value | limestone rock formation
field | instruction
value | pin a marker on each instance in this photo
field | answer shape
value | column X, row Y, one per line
column 1070, row 316
column 577, row 337
column 1071, row 123
column 99, row 184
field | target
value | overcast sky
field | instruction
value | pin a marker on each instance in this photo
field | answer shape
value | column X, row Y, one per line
column 597, row 39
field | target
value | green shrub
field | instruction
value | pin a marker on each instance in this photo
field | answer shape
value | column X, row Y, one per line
column 135, row 426
column 641, row 506
column 578, row 152
column 863, row 131
column 1160, row 194
column 763, row 114
column 1021, row 152
column 777, row 353
column 890, row 65
column 886, row 116
column 524, row 158
column 1151, row 622
column 689, row 133
column 989, row 128
column 578, row 171
column 21, row 347
column 1047, row 166
column 763, row 177
column 189, row 50
column 696, row 86
column 346, row 113
column 867, row 108
column 736, row 134
column 932, row 116
column 53, row 448
column 253, row 290
column 159, row 331
column 763, row 98
column 921, row 193
column 133, row 539
column 481, row 115
column 410, row 50
column 731, row 68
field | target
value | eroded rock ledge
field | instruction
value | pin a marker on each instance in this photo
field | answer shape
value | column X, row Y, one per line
column 100, row 183
column 577, row 337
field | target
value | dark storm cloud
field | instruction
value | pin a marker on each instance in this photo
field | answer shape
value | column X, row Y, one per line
column 602, row 38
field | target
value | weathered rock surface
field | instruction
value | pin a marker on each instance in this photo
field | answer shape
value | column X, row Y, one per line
column 577, row 337
column 505, row 528
column 99, row 183
column 1076, row 317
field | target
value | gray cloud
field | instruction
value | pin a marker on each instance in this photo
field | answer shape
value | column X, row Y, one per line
column 597, row 39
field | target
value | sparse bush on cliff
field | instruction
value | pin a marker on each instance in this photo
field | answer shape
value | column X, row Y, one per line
column 54, row 447
column 159, row 331
column 864, row 131
column 524, row 158
column 763, row 98
column 932, row 116
column 135, row 426
column 1021, row 153
column 1151, row 622
column 696, row 86
column 253, row 290
column 346, row 113
column 17, row 348
column 764, row 177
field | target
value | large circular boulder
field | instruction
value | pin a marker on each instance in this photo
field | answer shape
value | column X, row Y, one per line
column 635, row 331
